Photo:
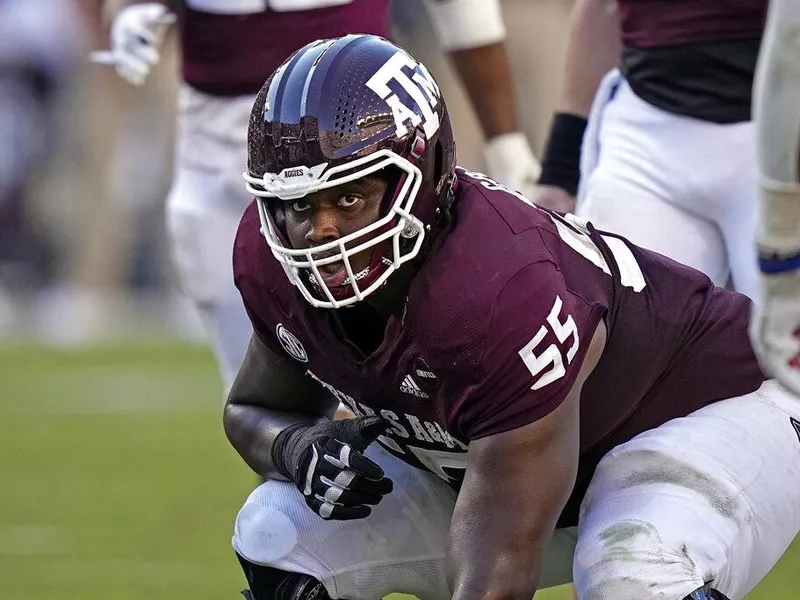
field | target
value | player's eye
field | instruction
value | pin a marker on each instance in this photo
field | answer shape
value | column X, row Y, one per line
column 299, row 206
column 349, row 201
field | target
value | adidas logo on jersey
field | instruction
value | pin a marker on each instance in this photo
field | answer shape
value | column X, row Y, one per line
column 409, row 386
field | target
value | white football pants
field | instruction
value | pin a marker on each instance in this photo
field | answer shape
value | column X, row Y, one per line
column 204, row 207
column 714, row 496
column 683, row 187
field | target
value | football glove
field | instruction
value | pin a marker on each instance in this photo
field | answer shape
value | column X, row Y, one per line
column 137, row 34
column 326, row 463
column 775, row 323
column 510, row 161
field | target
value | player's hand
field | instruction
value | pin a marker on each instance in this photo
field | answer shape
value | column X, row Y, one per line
column 137, row 34
column 326, row 463
column 510, row 161
column 775, row 324
column 554, row 198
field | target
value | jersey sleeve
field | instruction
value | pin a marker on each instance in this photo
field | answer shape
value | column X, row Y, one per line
column 535, row 346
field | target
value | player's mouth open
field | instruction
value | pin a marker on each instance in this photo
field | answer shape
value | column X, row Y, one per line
column 333, row 274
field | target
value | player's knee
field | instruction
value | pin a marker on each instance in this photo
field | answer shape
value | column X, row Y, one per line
column 630, row 558
column 631, row 586
column 268, row 583
column 264, row 533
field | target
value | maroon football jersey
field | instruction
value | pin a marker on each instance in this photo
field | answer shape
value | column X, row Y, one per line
column 650, row 23
column 496, row 325
column 234, row 54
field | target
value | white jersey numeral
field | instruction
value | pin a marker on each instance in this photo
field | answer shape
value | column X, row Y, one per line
column 563, row 330
column 420, row 86
column 548, row 366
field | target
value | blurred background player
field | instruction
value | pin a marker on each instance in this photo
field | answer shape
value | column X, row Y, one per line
column 668, row 158
column 227, row 50
column 122, row 387
column 776, row 96
column 37, row 59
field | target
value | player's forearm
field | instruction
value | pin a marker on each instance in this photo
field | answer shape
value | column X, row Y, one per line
column 268, row 395
column 472, row 33
column 489, row 559
column 593, row 49
column 482, row 69
column 252, row 430
column 491, row 576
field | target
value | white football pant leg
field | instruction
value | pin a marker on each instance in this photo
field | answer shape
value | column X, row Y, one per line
column 201, row 237
column 204, row 207
column 714, row 496
column 643, row 216
column 739, row 232
column 670, row 184
column 400, row 547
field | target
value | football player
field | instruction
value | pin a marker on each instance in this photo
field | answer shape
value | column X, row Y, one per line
column 228, row 49
column 668, row 158
column 776, row 329
column 516, row 373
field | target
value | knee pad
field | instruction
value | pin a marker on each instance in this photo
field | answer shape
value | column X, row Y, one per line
column 267, row 583
column 706, row 593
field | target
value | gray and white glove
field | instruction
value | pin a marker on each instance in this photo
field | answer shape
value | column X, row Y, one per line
column 775, row 323
column 137, row 35
column 326, row 463
column 511, row 162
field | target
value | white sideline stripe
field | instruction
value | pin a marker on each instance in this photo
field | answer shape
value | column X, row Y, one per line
column 33, row 539
column 113, row 392
column 107, row 406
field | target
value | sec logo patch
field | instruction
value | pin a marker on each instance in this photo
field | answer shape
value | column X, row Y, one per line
column 290, row 343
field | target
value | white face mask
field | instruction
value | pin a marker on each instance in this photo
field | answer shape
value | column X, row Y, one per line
column 397, row 224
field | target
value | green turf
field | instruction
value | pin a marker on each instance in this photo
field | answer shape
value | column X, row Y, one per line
column 118, row 483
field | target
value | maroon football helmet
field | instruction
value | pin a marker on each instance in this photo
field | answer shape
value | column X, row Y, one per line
column 335, row 111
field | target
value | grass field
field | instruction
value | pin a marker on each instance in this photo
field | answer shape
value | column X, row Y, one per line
column 118, row 483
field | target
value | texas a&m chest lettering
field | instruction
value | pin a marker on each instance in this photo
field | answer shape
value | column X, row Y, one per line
column 410, row 437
